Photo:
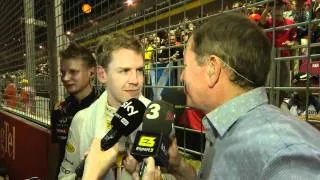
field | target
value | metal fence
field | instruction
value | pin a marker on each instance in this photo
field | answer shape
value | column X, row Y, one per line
column 33, row 33
column 23, row 60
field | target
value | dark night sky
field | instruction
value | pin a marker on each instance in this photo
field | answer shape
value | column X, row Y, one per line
column 12, row 34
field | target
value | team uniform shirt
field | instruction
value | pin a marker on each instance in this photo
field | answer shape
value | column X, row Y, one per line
column 94, row 121
column 62, row 115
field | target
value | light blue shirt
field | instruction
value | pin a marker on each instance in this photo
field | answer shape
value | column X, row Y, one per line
column 247, row 138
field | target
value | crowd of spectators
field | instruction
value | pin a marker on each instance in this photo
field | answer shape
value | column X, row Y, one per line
column 164, row 49
column 42, row 69
column 16, row 76
column 294, row 11
column 163, row 55
column 16, row 91
column 289, row 42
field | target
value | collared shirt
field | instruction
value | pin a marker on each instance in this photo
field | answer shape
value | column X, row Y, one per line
column 61, row 118
column 247, row 138
column 73, row 106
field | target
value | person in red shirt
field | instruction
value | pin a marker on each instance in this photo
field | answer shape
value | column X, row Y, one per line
column 27, row 97
column 284, row 37
column 10, row 93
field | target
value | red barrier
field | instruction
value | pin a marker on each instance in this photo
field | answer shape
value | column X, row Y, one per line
column 24, row 147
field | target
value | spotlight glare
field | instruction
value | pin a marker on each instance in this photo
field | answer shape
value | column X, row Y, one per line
column 86, row 8
column 129, row 2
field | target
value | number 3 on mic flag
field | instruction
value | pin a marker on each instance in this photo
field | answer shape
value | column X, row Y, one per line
column 153, row 111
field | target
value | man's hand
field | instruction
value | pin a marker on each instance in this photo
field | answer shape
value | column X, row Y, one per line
column 130, row 164
column 99, row 162
column 177, row 166
column 174, row 157
column 288, row 43
column 151, row 172
column 175, row 56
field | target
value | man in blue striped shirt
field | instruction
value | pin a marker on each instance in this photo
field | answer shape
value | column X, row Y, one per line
column 227, row 61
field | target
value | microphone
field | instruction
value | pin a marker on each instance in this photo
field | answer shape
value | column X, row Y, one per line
column 127, row 119
column 157, row 129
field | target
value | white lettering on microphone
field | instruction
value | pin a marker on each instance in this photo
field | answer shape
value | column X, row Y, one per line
column 129, row 108
column 144, row 149
column 124, row 121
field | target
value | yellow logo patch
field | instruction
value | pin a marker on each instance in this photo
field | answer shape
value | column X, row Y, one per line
column 146, row 141
column 70, row 148
column 108, row 125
